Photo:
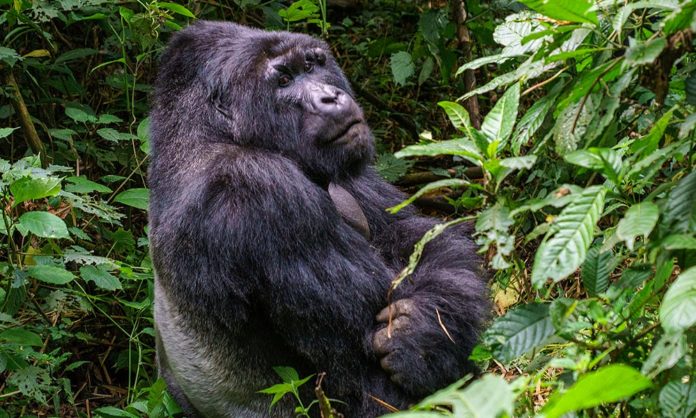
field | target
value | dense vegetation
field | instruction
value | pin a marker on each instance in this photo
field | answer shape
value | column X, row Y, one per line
column 565, row 129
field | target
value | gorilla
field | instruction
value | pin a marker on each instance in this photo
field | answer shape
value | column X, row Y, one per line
column 271, row 243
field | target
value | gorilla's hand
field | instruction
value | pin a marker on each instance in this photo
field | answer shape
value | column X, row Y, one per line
column 393, row 342
column 417, row 349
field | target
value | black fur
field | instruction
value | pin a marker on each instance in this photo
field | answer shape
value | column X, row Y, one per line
column 255, row 265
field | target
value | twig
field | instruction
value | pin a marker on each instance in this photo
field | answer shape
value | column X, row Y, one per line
column 30, row 134
column 442, row 325
column 545, row 82
column 464, row 40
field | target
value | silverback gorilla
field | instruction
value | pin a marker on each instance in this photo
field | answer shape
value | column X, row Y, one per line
column 271, row 242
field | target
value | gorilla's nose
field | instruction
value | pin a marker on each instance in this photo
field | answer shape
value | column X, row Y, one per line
column 330, row 100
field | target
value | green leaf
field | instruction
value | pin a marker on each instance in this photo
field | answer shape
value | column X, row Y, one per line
column 609, row 384
column 83, row 185
column 690, row 89
column 110, row 411
column 566, row 245
column 666, row 353
column 678, row 399
column 429, row 188
column 499, row 122
column 640, row 219
column 113, row 135
column 402, row 67
column 288, row 374
column 137, row 198
column 490, row 396
column 100, row 276
column 519, row 331
column 9, row 56
column 680, row 18
column 596, row 269
column 44, row 225
column 79, row 115
column 457, row 115
column 570, row 10
column 679, row 214
column 176, row 8
column 20, row 336
column 461, row 147
column 531, row 122
column 678, row 309
column 648, row 144
column 642, row 53
column 32, row 188
column 606, row 160
column 5, row 132
column 519, row 163
column 679, row 242
column 143, row 132
column 50, row 274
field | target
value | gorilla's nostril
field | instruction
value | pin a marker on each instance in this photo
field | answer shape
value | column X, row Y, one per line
column 329, row 100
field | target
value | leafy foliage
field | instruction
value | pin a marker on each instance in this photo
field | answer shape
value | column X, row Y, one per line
column 580, row 178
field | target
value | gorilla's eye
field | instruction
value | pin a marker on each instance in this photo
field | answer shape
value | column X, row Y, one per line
column 308, row 67
column 284, row 80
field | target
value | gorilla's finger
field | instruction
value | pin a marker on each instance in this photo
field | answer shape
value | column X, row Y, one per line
column 405, row 307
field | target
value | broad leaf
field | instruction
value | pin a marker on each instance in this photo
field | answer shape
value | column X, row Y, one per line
column 571, row 235
column 499, row 122
column 640, row 219
column 101, row 277
column 608, row 384
column 137, row 198
column 596, row 269
column 666, row 353
column 32, row 188
column 457, row 115
column 519, row 331
column 678, row 399
column 402, row 67
column 570, row 10
column 50, row 274
column 461, row 147
column 83, row 185
column 678, row 310
column 644, row 52
column 5, row 132
column 679, row 214
column 20, row 336
column 43, row 224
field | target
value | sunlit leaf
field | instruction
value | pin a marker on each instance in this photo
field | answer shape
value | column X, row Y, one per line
column 609, row 384
column 44, row 225
column 678, row 309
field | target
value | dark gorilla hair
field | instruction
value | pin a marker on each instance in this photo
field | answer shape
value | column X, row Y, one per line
column 271, row 242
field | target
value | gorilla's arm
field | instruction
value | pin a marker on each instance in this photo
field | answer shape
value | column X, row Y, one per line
column 315, row 278
column 443, row 303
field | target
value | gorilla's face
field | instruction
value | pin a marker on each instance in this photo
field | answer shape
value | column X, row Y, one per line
column 278, row 91
column 331, row 135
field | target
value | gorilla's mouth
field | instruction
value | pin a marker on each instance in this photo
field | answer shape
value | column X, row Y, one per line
column 342, row 137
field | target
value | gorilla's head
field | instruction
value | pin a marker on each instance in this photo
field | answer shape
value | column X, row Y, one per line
column 278, row 91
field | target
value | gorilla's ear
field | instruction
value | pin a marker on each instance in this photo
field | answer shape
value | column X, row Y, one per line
column 217, row 99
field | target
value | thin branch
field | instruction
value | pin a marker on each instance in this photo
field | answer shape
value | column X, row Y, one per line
column 30, row 134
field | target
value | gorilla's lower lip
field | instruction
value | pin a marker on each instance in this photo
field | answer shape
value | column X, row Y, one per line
column 345, row 131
